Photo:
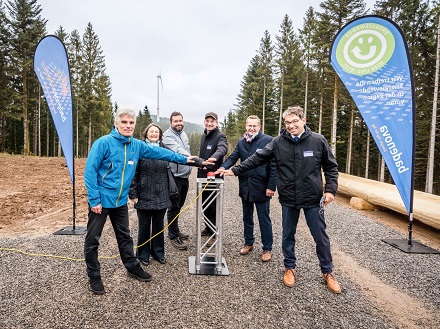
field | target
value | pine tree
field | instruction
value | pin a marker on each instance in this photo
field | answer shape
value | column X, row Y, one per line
column 335, row 15
column 290, row 68
column 95, row 88
column 247, row 99
column 306, row 37
column 6, row 95
column 265, row 87
column 417, row 22
column 142, row 121
column 27, row 28
column 74, row 47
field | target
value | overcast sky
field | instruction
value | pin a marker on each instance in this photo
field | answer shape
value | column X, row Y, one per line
column 201, row 48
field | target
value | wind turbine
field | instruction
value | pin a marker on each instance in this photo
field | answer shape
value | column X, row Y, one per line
column 159, row 77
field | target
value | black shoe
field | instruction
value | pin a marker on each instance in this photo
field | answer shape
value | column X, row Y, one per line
column 183, row 236
column 140, row 274
column 161, row 260
column 144, row 262
column 205, row 232
column 97, row 286
column 179, row 244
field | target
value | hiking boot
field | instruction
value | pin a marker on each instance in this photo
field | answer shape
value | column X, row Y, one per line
column 332, row 283
column 97, row 286
column 140, row 274
column 246, row 249
column 183, row 236
column 179, row 244
column 266, row 256
column 289, row 277
column 205, row 232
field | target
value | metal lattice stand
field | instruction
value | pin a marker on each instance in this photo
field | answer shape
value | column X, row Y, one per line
column 208, row 259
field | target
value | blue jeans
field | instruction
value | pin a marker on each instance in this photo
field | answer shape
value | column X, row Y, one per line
column 263, row 210
column 119, row 219
column 316, row 223
column 150, row 224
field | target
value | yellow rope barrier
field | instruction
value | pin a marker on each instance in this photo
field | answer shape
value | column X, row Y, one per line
column 106, row 257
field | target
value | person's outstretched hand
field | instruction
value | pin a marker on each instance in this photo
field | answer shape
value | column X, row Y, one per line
column 224, row 172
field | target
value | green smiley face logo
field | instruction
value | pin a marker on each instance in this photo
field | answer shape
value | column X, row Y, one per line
column 365, row 49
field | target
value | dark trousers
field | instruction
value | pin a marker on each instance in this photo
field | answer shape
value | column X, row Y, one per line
column 263, row 210
column 316, row 223
column 182, row 186
column 150, row 224
column 119, row 219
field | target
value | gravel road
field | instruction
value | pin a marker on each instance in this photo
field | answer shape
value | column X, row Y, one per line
column 382, row 286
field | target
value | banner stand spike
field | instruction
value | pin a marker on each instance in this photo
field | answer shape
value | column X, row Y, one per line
column 72, row 230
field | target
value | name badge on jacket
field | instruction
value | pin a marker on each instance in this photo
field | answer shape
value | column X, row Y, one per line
column 308, row 154
column 209, row 147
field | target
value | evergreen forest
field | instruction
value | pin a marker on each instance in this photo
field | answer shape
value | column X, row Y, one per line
column 290, row 67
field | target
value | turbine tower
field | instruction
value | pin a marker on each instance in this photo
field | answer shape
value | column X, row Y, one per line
column 159, row 77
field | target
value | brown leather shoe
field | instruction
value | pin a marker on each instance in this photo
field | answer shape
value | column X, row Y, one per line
column 266, row 256
column 246, row 249
column 332, row 283
column 289, row 277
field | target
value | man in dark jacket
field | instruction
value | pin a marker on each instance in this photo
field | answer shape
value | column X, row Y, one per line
column 301, row 155
column 256, row 187
column 213, row 148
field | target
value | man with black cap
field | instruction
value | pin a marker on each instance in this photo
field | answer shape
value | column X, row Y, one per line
column 213, row 147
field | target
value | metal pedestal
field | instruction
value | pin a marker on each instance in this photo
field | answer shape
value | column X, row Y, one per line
column 208, row 259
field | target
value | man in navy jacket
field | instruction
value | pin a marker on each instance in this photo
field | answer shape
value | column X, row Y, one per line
column 301, row 157
column 256, row 187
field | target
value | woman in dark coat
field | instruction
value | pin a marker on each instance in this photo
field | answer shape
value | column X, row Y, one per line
column 149, row 192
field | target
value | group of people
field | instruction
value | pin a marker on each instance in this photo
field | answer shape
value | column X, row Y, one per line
column 120, row 167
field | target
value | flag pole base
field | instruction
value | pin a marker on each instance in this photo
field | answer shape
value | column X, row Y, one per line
column 69, row 230
column 209, row 268
column 413, row 248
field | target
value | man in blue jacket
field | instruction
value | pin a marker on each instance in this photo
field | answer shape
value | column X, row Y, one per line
column 256, row 187
column 301, row 156
column 110, row 167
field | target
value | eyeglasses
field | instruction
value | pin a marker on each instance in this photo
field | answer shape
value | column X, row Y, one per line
column 288, row 123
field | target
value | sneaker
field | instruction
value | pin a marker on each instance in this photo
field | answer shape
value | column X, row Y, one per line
column 183, row 236
column 332, row 283
column 205, row 232
column 289, row 277
column 140, row 274
column 246, row 249
column 97, row 286
column 179, row 244
column 266, row 256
